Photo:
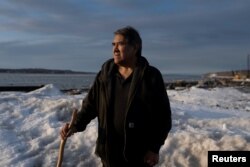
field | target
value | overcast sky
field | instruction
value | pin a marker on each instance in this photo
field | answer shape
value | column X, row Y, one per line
column 179, row 36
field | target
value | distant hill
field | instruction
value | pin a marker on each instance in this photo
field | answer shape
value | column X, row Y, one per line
column 41, row 71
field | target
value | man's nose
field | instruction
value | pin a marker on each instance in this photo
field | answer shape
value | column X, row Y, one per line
column 115, row 47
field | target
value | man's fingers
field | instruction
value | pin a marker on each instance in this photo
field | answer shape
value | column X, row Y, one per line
column 151, row 158
column 69, row 133
column 151, row 163
column 64, row 131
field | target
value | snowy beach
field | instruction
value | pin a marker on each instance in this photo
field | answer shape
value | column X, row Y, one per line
column 203, row 120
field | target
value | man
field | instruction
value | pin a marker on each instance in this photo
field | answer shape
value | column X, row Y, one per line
column 129, row 99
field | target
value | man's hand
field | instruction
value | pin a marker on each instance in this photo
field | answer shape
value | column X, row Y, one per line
column 151, row 158
column 66, row 132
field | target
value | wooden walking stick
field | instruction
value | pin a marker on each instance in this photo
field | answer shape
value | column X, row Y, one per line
column 63, row 141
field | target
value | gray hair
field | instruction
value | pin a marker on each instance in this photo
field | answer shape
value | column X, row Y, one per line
column 132, row 36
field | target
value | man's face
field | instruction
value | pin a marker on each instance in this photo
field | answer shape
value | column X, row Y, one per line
column 123, row 53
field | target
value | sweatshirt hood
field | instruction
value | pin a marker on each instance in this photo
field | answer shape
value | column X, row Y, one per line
column 109, row 66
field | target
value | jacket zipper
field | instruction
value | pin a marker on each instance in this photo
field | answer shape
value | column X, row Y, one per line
column 125, row 132
column 106, row 134
column 129, row 104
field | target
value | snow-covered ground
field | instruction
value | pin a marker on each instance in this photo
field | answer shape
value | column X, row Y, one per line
column 203, row 120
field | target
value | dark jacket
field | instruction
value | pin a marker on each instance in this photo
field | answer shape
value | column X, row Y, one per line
column 148, row 114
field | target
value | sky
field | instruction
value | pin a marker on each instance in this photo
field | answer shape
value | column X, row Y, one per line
column 179, row 36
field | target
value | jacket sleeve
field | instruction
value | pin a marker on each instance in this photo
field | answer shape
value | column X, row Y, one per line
column 88, row 109
column 161, row 115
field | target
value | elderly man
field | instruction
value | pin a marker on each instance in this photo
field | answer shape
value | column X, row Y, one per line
column 129, row 99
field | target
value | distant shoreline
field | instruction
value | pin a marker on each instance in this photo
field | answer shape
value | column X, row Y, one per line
column 81, row 81
column 40, row 71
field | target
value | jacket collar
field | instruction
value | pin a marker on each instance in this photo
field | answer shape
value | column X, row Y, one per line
column 139, row 70
column 109, row 66
column 108, row 72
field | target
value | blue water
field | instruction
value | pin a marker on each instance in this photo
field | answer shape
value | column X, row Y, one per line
column 186, row 77
column 62, row 81
column 67, row 81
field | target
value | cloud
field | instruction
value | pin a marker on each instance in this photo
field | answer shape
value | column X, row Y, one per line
column 198, row 24
column 173, row 32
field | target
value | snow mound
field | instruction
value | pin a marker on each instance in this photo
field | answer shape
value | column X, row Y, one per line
column 203, row 120
column 47, row 90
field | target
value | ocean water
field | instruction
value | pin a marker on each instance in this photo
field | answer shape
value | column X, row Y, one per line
column 62, row 81
column 68, row 81
column 186, row 77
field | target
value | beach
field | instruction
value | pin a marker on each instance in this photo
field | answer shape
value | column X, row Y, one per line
column 203, row 120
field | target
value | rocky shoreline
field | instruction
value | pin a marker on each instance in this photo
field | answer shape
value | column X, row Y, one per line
column 210, row 83
column 19, row 88
column 237, row 79
column 207, row 83
column 175, row 85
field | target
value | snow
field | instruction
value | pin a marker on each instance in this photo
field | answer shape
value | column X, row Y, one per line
column 203, row 120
